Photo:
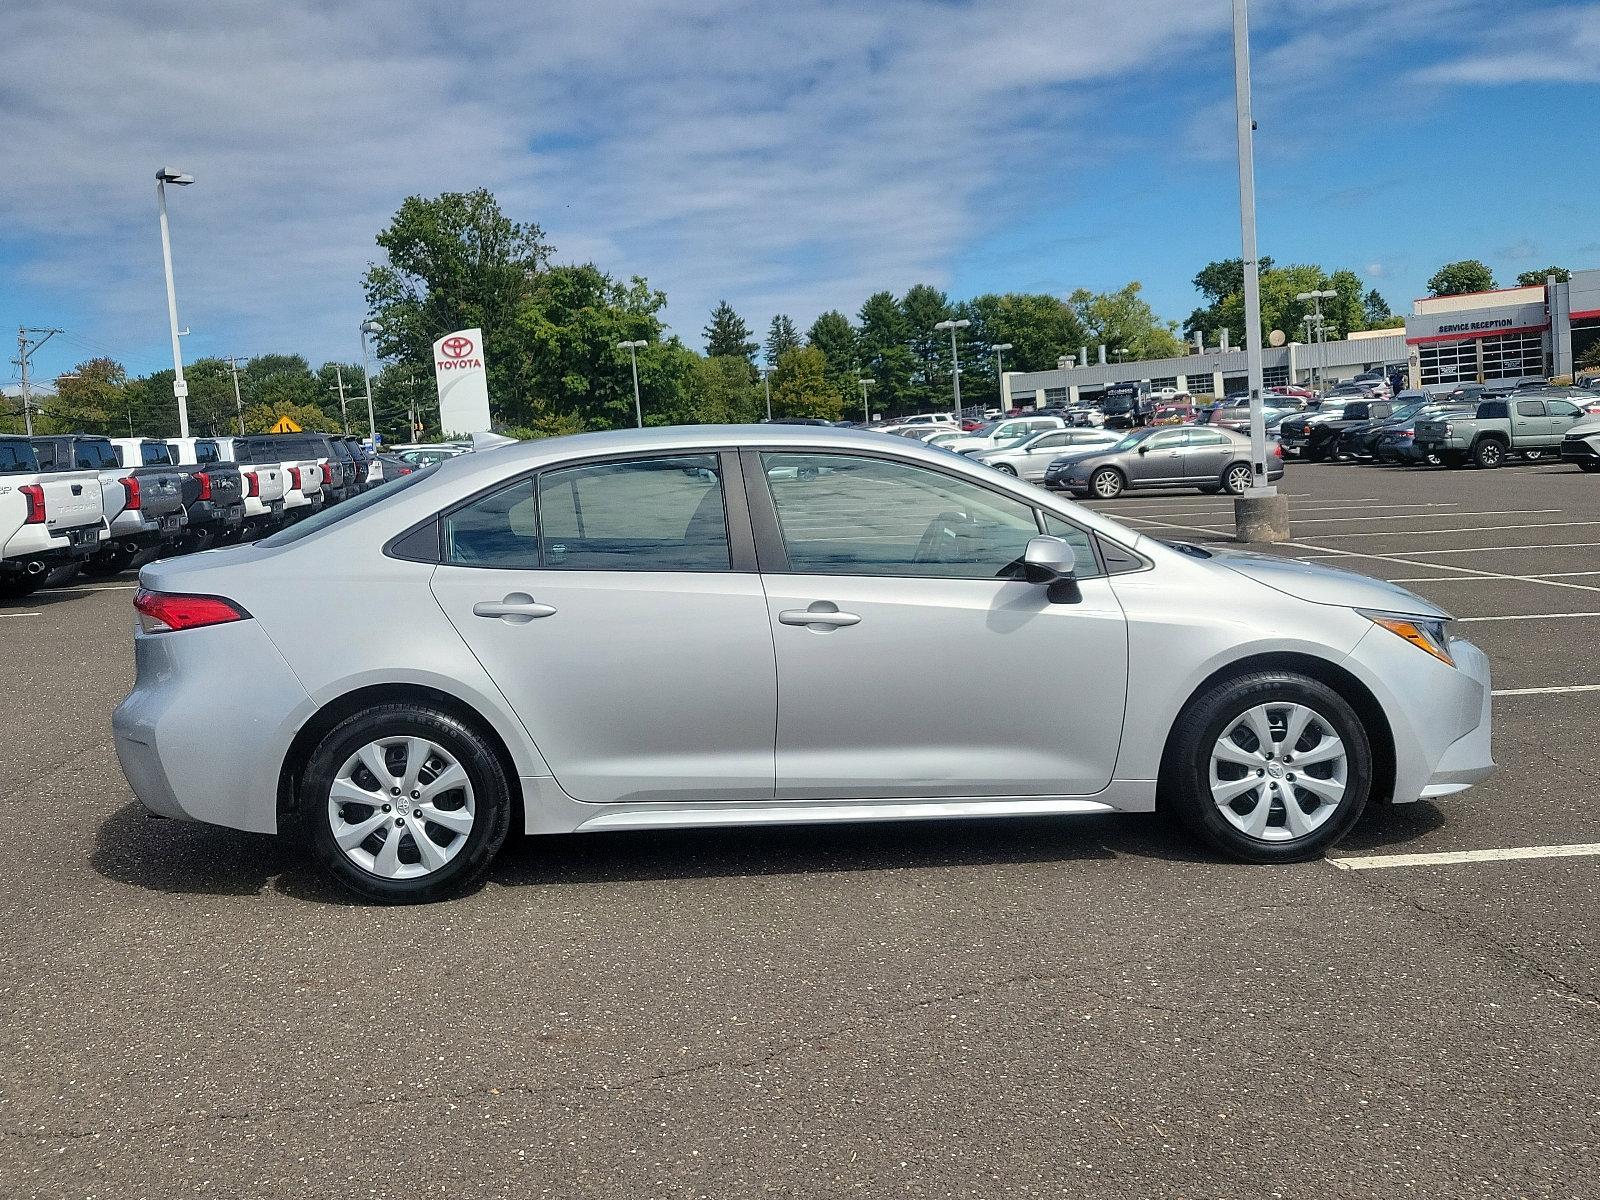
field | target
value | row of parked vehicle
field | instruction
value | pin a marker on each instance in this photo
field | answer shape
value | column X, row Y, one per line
column 101, row 505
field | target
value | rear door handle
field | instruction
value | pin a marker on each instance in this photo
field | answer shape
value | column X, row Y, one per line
column 830, row 617
column 516, row 609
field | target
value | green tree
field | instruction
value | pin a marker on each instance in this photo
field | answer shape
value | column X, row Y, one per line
column 727, row 334
column 924, row 307
column 1537, row 278
column 91, row 398
column 456, row 261
column 717, row 391
column 1375, row 309
column 1039, row 327
column 1124, row 320
column 259, row 418
column 800, row 386
column 782, row 337
column 882, row 352
column 1459, row 278
column 833, row 334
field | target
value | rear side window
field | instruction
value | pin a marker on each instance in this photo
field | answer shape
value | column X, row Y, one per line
column 154, row 454
column 1560, row 408
column 648, row 514
column 17, row 458
column 206, row 452
column 1494, row 410
column 498, row 530
column 93, row 456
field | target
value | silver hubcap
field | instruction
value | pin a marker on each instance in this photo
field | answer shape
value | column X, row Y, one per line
column 401, row 807
column 1278, row 772
column 1107, row 484
column 1238, row 479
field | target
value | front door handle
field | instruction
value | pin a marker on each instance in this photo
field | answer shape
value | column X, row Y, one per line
column 817, row 615
column 516, row 609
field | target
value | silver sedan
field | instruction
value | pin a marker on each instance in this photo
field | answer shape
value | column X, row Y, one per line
column 1197, row 456
column 1028, row 458
column 707, row 626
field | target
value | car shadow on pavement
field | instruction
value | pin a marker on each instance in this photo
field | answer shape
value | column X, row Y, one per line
column 1385, row 826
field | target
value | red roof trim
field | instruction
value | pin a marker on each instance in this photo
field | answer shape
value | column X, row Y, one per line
column 1584, row 315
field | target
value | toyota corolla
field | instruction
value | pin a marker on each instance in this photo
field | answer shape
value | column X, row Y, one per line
column 719, row 626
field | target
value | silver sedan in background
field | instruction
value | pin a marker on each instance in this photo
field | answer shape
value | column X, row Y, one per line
column 1028, row 458
column 707, row 626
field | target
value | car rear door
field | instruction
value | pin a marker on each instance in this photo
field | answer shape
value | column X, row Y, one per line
column 1203, row 454
column 617, row 606
column 1563, row 414
column 1530, row 424
column 912, row 660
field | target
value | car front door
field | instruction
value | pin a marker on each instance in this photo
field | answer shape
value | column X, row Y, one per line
column 617, row 607
column 1041, row 452
column 913, row 661
column 1563, row 414
column 1157, row 459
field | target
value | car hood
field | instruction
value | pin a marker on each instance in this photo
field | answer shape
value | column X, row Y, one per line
column 1070, row 457
column 1318, row 584
column 1584, row 428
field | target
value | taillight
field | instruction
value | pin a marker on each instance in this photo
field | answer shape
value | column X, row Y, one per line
column 34, row 494
column 131, row 486
column 1406, row 432
column 405, row 470
column 294, row 478
column 204, row 481
column 167, row 612
column 1277, row 449
column 254, row 484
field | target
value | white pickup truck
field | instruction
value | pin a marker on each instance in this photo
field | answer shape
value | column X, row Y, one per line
column 303, row 475
column 48, row 519
column 266, row 480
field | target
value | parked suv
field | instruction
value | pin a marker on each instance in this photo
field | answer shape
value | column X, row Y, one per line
column 1527, row 425
column 48, row 519
column 1581, row 444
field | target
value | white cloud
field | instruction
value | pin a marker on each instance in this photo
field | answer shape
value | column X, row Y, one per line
column 1557, row 46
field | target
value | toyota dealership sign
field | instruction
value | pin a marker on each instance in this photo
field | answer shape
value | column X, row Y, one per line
column 463, row 384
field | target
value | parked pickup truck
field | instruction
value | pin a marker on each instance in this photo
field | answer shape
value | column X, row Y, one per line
column 1527, row 425
column 213, row 493
column 296, row 457
column 1581, row 444
column 48, row 519
column 140, row 492
column 265, row 482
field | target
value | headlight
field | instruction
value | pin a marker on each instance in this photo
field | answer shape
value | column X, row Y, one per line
column 1425, row 633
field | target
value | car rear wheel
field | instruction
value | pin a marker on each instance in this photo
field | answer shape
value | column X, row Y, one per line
column 1236, row 479
column 1532, row 455
column 1488, row 454
column 1005, row 469
column 404, row 804
column 15, row 587
column 1268, row 767
column 1107, row 483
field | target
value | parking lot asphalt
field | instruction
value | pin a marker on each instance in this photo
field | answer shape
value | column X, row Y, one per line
column 1054, row 1007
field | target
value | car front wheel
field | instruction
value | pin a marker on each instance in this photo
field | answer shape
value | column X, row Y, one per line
column 404, row 804
column 1107, row 483
column 1268, row 767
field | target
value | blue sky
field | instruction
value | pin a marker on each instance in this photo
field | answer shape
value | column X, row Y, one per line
column 789, row 158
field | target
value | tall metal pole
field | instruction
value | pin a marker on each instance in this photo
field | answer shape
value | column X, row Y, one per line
column 955, row 372
column 238, row 401
column 180, row 386
column 638, row 405
column 338, row 386
column 366, row 371
column 866, row 412
column 766, row 383
column 27, row 395
column 1247, row 231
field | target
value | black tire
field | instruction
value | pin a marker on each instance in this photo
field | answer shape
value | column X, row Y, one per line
column 1453, row 459
column 1488, row 454
column 1185, row 787
column 1235, row 483
column 1533, row 455
column 1006, row 469
column 491, row 793
column 15, row 587
column 1107, row 483
column 1589, row 467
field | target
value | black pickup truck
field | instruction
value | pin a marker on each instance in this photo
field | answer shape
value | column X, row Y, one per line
column 213, row 497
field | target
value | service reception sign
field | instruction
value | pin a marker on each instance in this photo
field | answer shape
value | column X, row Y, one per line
column 463, row 383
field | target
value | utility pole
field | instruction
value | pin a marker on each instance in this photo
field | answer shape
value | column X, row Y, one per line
column 25, row 347
column 238, row 402
column 344, row 415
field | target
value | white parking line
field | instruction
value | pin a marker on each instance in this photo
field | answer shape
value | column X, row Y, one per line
column 1500, row 512
column 1531, row 578
column 21, row 614
column 1454, row 857
column 1532, row 616
column 1547, row 691
column 1456, row 550
column 1458, row 529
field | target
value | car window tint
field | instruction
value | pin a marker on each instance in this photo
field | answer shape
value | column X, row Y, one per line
column 1164, row 441
column 647, row 514
column 1560, row 408
column 1530, row 408
column 17, row 457
column 1206, row 437
column 206, row 452
column 497, row 530
column 154, row 454
column 849, row 515
column 1049, row 440
column 1082, row 544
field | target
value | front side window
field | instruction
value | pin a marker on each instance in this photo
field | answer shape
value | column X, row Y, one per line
column 847, row 515
column 1082, row 544
column 646, row 514
column 1049, row 441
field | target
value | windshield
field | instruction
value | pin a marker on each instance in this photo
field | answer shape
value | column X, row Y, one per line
column 346, row 508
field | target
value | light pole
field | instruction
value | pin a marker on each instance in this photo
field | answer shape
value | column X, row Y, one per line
column 366, row 372
column 955, row 361
column 766, row 384
column 633, row 348
column 1315, row 319
column 1000, row 372
column 180, row 386
column 866, row 413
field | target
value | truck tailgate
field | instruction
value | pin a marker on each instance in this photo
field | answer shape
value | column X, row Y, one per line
column 71, row 499
column 1432, row 430
column 160, row 491
column 270, row 481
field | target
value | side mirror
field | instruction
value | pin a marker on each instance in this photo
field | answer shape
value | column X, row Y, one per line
column 1143, row 449
column 1049, row 560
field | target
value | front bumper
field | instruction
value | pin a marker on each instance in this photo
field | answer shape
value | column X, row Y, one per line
column 1579, row 451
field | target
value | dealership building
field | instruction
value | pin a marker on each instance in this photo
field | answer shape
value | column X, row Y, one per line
column 1480, row 337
